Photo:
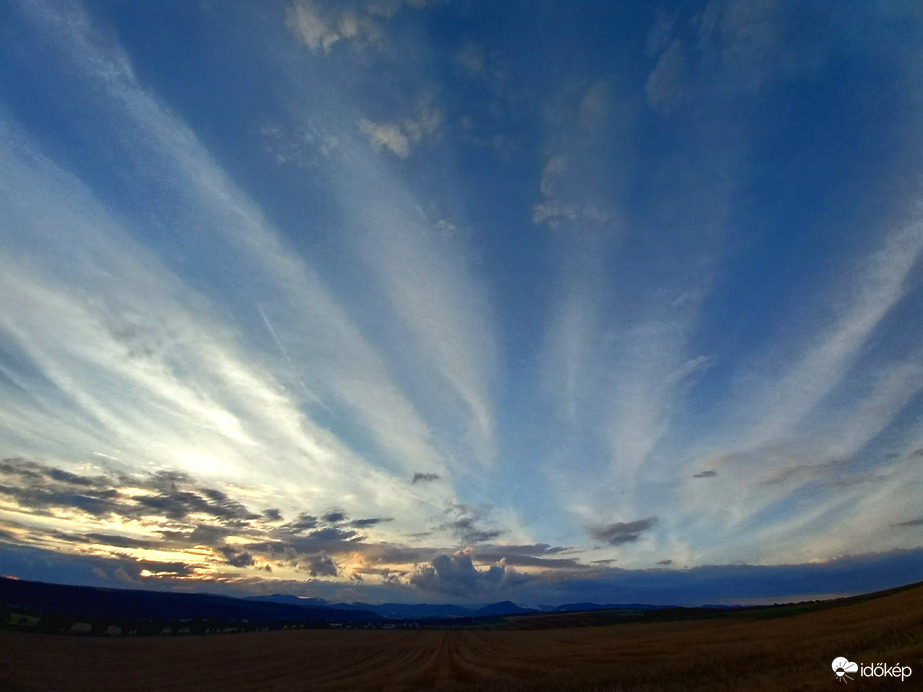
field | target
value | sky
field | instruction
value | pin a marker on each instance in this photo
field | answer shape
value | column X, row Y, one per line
column 419, row 300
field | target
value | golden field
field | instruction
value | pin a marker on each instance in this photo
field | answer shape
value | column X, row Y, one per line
column 769, row 649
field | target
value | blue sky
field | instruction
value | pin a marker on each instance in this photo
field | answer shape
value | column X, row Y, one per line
column 421, row 300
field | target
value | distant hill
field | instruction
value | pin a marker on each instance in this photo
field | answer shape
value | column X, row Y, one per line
column 405, row 611
column 420, row 611
column 85, row 602
column 441, row 611
column 582, row 607
column 288, row 599
column 503, row 608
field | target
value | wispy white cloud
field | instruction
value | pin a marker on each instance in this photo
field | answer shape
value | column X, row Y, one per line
column 320, row 25
column 317, row 32
column 571, row 200
column 341, row 366
column 347, row 344
column 555, row 212
column 810, row 425
column 398, row 137
column 730, row 48
column 146, row 371
column 441, row 340
column 472, row 58
column 301, row 145
column 494, row 123
column 424, row 276
column 430, row 286
column 387, row 135
column 617, row 359
column 572, row 187
column 868, row 294
column 668, row 84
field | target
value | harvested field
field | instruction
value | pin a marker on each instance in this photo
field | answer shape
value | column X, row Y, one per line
column 728, row 653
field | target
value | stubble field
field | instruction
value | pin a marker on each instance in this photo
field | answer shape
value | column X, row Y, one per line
column 756, row 651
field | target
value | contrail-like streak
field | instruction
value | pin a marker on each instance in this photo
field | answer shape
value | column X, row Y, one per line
column 311, row 395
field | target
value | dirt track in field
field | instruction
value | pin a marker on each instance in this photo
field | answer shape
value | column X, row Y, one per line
column 789, row 653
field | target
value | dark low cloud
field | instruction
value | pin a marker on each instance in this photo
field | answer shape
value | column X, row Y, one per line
column 465, row 525
column 533, row 549
column 311, row 550
column 329, row 534
column 134, row 568
column 554, row 563
column 620, row 533
column 182, row 512
column 456, row 575
column 185, row 514
column 740, row 584
column 705, row 474
column 532, row 555
column 213, row 529
column 201, row 535
column 852, row 480
column 120, row 541
column 236, row 557
column 424, row 477
column 452, row 579
column 44, row 565
column 180, row 504
column 389, row 553
column 44, row 500
column 467, row 531
column 32, row 472
column 16, row 466
column 665, row 562
column 71, row 478
column 321, row 565
column 387, row 574
column 303, row 522
column 365, row 523
column 173, row 495
column 911, row 522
